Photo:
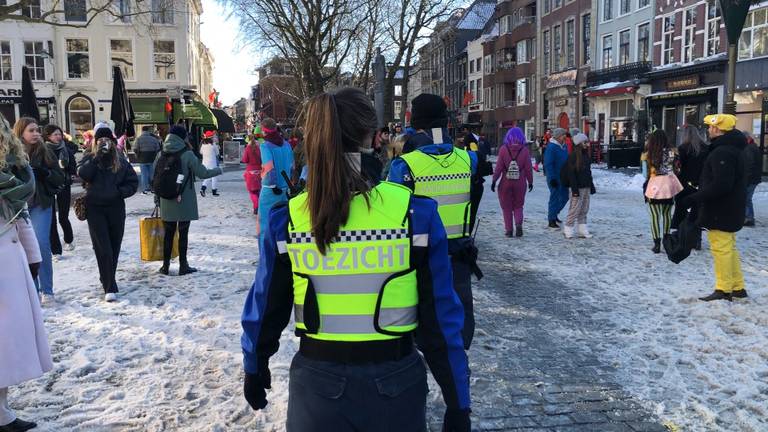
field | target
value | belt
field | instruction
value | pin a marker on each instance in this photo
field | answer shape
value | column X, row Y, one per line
column 356, row 352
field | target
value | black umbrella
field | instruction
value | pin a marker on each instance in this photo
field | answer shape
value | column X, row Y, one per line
column 28, row 106
column 122, row 111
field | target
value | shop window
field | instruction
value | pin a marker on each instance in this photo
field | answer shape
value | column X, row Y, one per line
column 78, row 59
column 624, row 47
column 586, row 38
column 80, row 113
column 754, row 39
column 570, row 44
column 607, row 51
column 121, row 55
column 713, row 28
column 34, row 59
column 643, row 43
column 75, row 11
column 689, row 35
column 622, row 108
column 164, row 59
column 6, row 61
column 667, row 40
column 607, row 10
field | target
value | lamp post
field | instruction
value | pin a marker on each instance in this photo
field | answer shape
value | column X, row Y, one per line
column 734, row 14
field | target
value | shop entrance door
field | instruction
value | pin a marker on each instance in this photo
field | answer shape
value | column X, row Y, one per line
column 9, row 112
column 563, row 121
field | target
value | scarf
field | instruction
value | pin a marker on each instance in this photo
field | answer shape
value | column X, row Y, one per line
column 17, row 185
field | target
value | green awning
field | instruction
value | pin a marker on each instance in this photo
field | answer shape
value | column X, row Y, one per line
column 196, row 111
column 149, row 110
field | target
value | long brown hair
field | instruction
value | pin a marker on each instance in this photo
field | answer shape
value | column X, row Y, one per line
column 657, row 145
column 34, row 150
column 114, row 156
column 334, row 124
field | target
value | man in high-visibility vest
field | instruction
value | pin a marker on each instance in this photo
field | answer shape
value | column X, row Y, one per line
column 438, row 170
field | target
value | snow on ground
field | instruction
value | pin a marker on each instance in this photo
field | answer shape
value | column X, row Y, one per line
column 167, row 356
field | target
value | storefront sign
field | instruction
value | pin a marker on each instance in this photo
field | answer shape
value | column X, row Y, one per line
column 562, row 79
column 678, row 95
column 561, row 103
column 684, row 83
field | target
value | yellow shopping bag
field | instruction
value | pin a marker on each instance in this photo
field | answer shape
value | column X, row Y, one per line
column 151, row 236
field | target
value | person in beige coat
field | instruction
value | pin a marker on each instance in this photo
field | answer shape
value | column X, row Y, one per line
column 25, row 352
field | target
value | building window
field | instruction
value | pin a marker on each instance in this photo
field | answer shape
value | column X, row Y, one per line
column 522, row 91
column 547, row 6
column 624, row 47
column 667, row 40
column 80, row 112
column 689, row 35
column 713, row 28
column 6, row 63
column 31, row 9
column 547, row 56
column 522, row 51
column 123, row 11
column 622, row 108
column 75, row 11
column 586, row 38
column 471, row 67
column 625, row 7
column 607, row 51
column 570, row 44
column 398, row 108
column 479, row 90
column 558, row 3
column 643, row 43
column 162, row 11
column 164, row 59
column 121, row 55
column 643, row 3
column 78, row 59
column 34, row 59
column 558, row 49
column 607, row 10
column 754, row 38
column 398, row 90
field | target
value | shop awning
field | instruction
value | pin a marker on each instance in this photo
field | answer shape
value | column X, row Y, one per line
column 149, row 110
column 196, row 111
column 611, row 89
column 226, row 124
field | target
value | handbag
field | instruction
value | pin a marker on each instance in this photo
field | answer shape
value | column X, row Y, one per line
column 81, row 208
column 152, row 237
column 678, row 244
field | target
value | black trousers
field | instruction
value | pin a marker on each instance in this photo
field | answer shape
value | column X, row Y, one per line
column 462, row 284
column 475, row 196
column 107, row 226
column 62, row 206
column 170, row 232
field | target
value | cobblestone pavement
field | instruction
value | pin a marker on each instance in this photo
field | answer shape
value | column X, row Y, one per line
column 534, row 367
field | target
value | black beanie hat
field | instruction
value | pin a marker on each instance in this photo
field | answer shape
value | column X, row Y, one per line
column 179, row 130
column 428, row 111
column 103, row 132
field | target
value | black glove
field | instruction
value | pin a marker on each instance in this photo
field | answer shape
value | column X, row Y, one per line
column 277, row 191
column 456, row 420
column 254, row 388
column 530, row 187
column 493, row 187
column 554, row 183
column 41, row 173
column 34, row 270
column 592, row 190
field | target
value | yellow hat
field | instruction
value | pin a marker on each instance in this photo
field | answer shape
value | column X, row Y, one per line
column 724, row 122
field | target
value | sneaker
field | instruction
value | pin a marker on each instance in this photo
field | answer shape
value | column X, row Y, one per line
column 55, row 258
column 742, row 293
column 584, row 231
column 553, row 224
column 18, row 425
column 717, row 295
column 110, row 297
column 214, row 192
column 47, row 300
column 202, row 192
column 69, row 247
column 568, row 231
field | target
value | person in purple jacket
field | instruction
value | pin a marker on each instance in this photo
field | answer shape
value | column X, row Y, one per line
column 514, row 168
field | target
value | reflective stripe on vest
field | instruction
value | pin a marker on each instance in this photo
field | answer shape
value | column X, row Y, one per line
column 365, row 274
column 446, row 179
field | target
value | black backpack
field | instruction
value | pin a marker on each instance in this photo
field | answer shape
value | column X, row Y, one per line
column 167, row 172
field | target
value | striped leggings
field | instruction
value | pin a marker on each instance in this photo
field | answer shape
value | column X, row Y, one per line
column 660, row 213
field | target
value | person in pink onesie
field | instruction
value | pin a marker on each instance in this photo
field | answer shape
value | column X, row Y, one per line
column 513, row 167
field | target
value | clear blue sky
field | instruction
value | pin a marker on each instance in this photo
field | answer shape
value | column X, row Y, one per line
column 232, row 74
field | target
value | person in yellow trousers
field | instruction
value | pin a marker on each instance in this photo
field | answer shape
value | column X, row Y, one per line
column 722, row 198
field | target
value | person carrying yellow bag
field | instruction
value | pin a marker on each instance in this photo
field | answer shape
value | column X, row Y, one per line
column 151, row 237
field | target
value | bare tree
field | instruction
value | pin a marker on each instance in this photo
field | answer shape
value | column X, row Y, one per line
column 315, row 36
column 55, row 13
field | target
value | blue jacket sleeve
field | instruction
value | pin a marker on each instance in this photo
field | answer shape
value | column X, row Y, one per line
column 549, row 163
column 441, row 316
column 268, row 306
column 397, row 171
column 473, row 161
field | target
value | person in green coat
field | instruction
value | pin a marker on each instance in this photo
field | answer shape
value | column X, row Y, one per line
column 178, row 213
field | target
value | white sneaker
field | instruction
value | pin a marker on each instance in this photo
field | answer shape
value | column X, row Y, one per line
column 55, row 258
column 567, row 231
column 69, row 247
column 110, row 297
column 47, row 300
column 584, row 231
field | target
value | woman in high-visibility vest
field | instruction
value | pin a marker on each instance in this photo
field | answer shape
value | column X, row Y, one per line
column 365, row 268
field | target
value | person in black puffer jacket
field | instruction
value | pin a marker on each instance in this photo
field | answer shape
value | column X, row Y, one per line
column 721, row 198
column 692, row 154
column 109, row 180
column 753, row 170
column 65, row 151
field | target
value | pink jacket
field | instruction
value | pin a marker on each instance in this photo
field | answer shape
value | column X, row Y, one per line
column 523, row 162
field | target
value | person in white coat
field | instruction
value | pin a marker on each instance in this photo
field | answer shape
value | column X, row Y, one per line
column 25, row 353
column 210, row 153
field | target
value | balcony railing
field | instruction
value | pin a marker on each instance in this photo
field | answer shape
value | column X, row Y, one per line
column 523, row 21
column 625, row 72
column 506, row 65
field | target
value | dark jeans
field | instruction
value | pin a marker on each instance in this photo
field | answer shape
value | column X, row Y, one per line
column 106, row 226
column 370, row 397
column 170, row 232
column 62, row 206
column 462, row 284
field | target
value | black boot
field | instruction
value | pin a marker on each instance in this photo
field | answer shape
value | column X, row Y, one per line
column 18, row 425
column 742, row 293
column 508, row 234
column 184, row 268
column 656, row 246
column 717, row 295
column 553, row 224
column 164, row 269
column 202, row 191
column 519, row 231
column 215, row 192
